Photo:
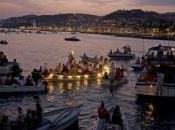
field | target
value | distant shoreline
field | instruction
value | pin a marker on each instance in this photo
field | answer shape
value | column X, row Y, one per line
column 140, row 36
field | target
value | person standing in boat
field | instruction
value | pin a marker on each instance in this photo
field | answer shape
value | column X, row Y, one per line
column 39, row 112
column 103, row 116
column 112, row 73
column 20, row 119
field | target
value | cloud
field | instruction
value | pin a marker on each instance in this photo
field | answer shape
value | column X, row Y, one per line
column 10, row 8
column 158, row 2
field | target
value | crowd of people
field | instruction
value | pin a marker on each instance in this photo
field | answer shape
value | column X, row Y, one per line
column 3, row 59
column 104, row 117
column 28, row 121
column 20, row 80
column 3, row 42
column 116, row 73
column 126, row 50
column 76, row 67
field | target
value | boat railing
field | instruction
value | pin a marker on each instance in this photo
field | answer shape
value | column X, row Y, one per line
column 154, row 90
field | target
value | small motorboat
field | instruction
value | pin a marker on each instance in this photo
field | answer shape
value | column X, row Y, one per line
column 115, row 83
column 60, row 119
column 115, row 121
column 86, row 58
column 16, row 89
column 57, row 119
column 125, row 55
column 73, row 38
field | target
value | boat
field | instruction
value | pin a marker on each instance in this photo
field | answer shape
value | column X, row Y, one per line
column 125, row 55
column 138, row 65
column 60, row 119
column 115, row 121
column 158, row 89
column 115, row 83
column 57, row 119
column 161, row 55
column 73, row 38
column 3, row 42
column 86, row 58
column 16, row 89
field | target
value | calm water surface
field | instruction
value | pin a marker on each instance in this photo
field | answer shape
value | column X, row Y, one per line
column 33, row 50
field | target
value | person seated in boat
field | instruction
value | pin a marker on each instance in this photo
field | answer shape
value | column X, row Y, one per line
column 116, row 116
column 138, row 61
column 84, row 55
column 29, row 120
column 21, row 80
column 117, row 51
column 29, row 81
column 3, row 59
column 171, row 56
column 110, row 52
column 106, row 75
column 58, row 68
column 100, row 69
column 127, row 49
column 4, row 122
column 112, row 72
column 16, row 69
column 65, row 69
column 36, row 76
column 71, row 58
column 20, row 119
column 151, row 75
column 160, row 54
column 103, row 116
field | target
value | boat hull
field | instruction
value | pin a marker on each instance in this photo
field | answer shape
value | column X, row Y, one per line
column 72, row 78
column 107, row 82
column 61, row 119
column 153, row 92
column 4, row 90
column 121, row 56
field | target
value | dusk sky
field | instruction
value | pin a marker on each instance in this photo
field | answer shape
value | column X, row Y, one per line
column 10, row 8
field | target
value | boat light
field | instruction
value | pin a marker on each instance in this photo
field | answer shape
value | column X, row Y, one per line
column 86, row 76
column 69, row 77
column 106, row 69
column 99, row 75
column 78, row 76
column 60, row 76
column 151, row 86
column 50, row 76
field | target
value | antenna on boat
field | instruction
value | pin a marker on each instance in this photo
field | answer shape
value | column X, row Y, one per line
column 143, row 47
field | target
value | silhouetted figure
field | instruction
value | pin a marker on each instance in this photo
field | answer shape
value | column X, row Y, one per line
column 39, row 112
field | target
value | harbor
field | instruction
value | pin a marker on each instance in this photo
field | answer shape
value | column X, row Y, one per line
column 34, row 50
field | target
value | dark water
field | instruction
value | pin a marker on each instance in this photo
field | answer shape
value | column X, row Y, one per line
column 33, row 50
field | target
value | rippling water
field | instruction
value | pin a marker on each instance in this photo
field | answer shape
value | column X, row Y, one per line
column 33, row 50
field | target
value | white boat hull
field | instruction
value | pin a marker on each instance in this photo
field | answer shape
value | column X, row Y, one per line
column 61, row 119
